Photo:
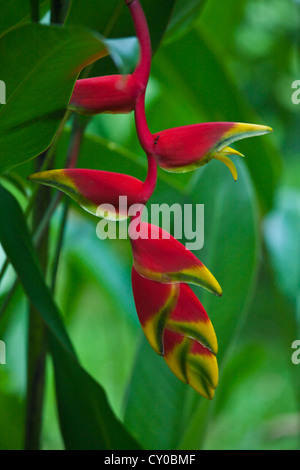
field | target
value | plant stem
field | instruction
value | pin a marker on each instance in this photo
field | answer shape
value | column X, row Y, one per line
column 37, row 337
column 78, row 129
column 37, row 340
column 35, row 10
column 36, row 362
column 142, row 71
column 59, row 245
column 144, row 135
column 59, row 10
column 150, row 181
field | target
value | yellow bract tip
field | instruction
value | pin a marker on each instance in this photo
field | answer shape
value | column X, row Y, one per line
column 250, row 130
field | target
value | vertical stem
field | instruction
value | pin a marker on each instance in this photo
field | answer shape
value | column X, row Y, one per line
column 59, row 245
column 37, row 341
column 59, row 10
column 78, row 129
column 35, row 10
column 36, row 360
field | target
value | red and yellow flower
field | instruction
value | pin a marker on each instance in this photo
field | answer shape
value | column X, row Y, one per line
column 174, row 321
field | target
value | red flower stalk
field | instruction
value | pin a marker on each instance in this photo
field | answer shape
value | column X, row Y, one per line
column 94, row 190
column 178, row 328
column 117, row 93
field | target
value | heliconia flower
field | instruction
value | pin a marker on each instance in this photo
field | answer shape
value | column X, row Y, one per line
column 117, row 93
column 160, row 257
column 185, row 148
column 100, row 192
column 178, row 328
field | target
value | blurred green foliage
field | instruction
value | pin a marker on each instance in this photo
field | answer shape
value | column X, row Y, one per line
column 224, row 60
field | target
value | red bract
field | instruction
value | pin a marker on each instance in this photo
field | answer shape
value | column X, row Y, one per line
column 99, row 192
column 110, row 94
column 160, row 257
column 185, row 148
column 177, row 327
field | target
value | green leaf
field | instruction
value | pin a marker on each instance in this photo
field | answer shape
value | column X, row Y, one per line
column 16, row 242
column 232, row 243
column 12, row 15
column 185, row 13
column 11, row 412
column 154, row 410
column 282, row 233
column 39, row 82
column 86, row 420
column 81, row 401
column 223, row 25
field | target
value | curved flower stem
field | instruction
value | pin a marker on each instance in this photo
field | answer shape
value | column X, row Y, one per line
column 149, row 186
column 142, row 71
column 150, row 181
column 144, row 135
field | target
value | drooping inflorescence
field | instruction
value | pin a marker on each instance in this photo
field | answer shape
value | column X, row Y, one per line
column 172, row 317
